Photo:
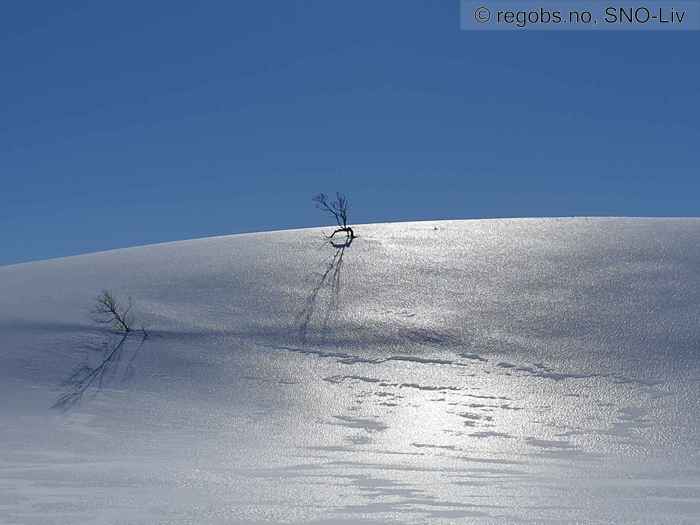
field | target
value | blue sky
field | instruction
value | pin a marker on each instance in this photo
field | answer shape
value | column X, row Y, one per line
column 127, row 123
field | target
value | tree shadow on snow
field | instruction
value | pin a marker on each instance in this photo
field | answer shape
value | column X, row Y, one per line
column 108, row 360
column 324, row 298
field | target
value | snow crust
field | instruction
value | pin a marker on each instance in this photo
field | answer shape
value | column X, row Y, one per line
column 493, row 371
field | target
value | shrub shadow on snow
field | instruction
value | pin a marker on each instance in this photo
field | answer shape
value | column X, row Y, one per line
column 324, row 298
column 110, row 359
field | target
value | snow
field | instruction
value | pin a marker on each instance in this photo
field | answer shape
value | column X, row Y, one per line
column 494, row 371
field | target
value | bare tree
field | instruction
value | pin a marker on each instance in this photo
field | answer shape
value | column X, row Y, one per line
column 109, row 311
column 338, row 208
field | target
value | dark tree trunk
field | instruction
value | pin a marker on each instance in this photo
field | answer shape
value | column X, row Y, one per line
column 345, row 229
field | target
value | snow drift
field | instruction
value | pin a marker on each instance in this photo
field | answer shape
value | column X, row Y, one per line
column 496, row 371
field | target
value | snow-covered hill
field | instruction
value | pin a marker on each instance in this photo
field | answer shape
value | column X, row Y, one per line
column 496, row 371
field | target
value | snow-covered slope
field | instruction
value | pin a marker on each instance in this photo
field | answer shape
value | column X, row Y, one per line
column 497, row 371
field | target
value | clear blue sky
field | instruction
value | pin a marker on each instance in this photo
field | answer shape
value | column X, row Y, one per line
column 127, row 123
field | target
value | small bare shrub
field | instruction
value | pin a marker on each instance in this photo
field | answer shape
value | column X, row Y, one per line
column 106, row 311
column 338, row 208
column 111, row 312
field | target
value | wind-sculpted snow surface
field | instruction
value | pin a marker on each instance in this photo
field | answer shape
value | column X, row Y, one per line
column 498, row 371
